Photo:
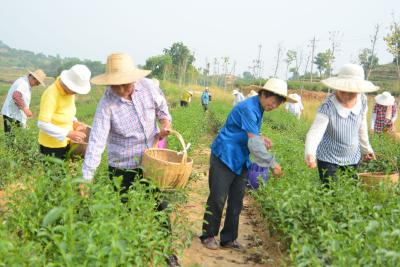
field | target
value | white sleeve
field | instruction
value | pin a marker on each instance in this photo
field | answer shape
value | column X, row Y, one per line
column 53, row 130
column 315, row 134
column 363, row 134
column 373, row 119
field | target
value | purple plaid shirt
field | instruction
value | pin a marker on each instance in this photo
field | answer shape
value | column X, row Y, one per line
column 127, row 127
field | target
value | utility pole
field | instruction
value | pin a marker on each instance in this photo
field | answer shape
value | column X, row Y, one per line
column 313, row 41
column 258, row 63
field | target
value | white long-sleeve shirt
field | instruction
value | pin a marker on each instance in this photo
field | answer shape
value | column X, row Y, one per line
column 320, row 124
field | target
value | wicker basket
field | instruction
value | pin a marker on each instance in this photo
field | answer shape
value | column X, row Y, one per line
column 79, row 149
column 166, row 167
column 374, row 178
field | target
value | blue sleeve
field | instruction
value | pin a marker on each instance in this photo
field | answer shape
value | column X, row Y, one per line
column 249, row 121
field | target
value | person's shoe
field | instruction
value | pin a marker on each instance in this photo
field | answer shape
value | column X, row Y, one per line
column 172, row 261
column 210, row 243
column 233, row 245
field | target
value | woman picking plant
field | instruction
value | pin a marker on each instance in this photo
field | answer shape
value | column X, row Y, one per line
column 338, row 138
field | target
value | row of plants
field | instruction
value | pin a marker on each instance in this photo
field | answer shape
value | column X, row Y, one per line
column 46, row 222
column 344, row 225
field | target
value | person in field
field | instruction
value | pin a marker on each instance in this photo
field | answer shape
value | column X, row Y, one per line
column 238, row 97
column 186, row 98
column 384, row 113
column 205, row 99
column 126, row 122
column 295, row 108
column 16, row 106
column 228, row 163
column 338, row 138
column 57, row 122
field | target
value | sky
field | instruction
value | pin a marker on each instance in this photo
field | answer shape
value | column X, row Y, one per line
column 92, row 29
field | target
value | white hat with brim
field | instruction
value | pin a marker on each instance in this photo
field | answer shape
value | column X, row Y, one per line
column 276, row 86
column 120, row 70
column 350, row 79
column 385, row 99
column 39, row 75
column 235, row 92
column 77, row 79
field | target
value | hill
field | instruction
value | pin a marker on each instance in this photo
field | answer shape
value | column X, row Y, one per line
column 11, row 58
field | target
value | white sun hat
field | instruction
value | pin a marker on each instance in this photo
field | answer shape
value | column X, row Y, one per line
column 295, row 96
column 350, row 79
column 235, row 92
column 77, row 79
column 190, row 92
column 277, row 86
column 385, row 99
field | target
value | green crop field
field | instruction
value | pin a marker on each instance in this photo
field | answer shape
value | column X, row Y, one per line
column 46, row 223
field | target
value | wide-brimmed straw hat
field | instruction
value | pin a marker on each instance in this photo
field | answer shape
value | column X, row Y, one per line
column 350, row 79
column 120, row 70
column 385, row 99
column 252, row 93
column 39, row 75
column 77, row 79
column 276, row 86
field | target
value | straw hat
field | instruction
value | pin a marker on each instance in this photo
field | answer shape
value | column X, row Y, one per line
column 77, row 79
column 39, row 75
column 350, row 79
column 235, row 92
column 276, row 86
column 190, row 92
column 120, row 70
column 252, row 93
column 385, row 99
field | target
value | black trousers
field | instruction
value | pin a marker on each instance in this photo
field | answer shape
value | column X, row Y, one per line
column 128, row 178
column 327, row 169
column 184, row 103
column 205, row 106
column 60, row 152
column 224, row 184
column 9, row 123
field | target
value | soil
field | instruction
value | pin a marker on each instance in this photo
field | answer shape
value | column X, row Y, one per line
column 262, row 248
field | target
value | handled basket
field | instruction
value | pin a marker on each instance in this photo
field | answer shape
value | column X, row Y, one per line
column 166, row 167
column 79, row 149
column 374, row 178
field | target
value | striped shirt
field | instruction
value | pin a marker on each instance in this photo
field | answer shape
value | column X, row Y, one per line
column 126, row 127
column 341, row 141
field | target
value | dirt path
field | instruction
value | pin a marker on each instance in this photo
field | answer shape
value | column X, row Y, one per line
column 262, row 249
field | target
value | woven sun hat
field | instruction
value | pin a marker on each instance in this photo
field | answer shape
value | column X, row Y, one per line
column 120, row 69
column 350, row 79
column 235, row 92
column 252, row 93
column 277, row 86
column 39, row 75
column 190, row 92
column 77, row 79
column 385, row 99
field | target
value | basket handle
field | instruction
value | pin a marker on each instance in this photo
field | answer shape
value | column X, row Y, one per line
column 183, row 144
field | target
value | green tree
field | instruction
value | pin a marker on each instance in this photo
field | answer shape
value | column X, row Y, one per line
column 291, row 56
column 159, row 65
column 247, row 76
column 367, row 60
column 393, row 44
column 181, row 57
column 322, row 60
